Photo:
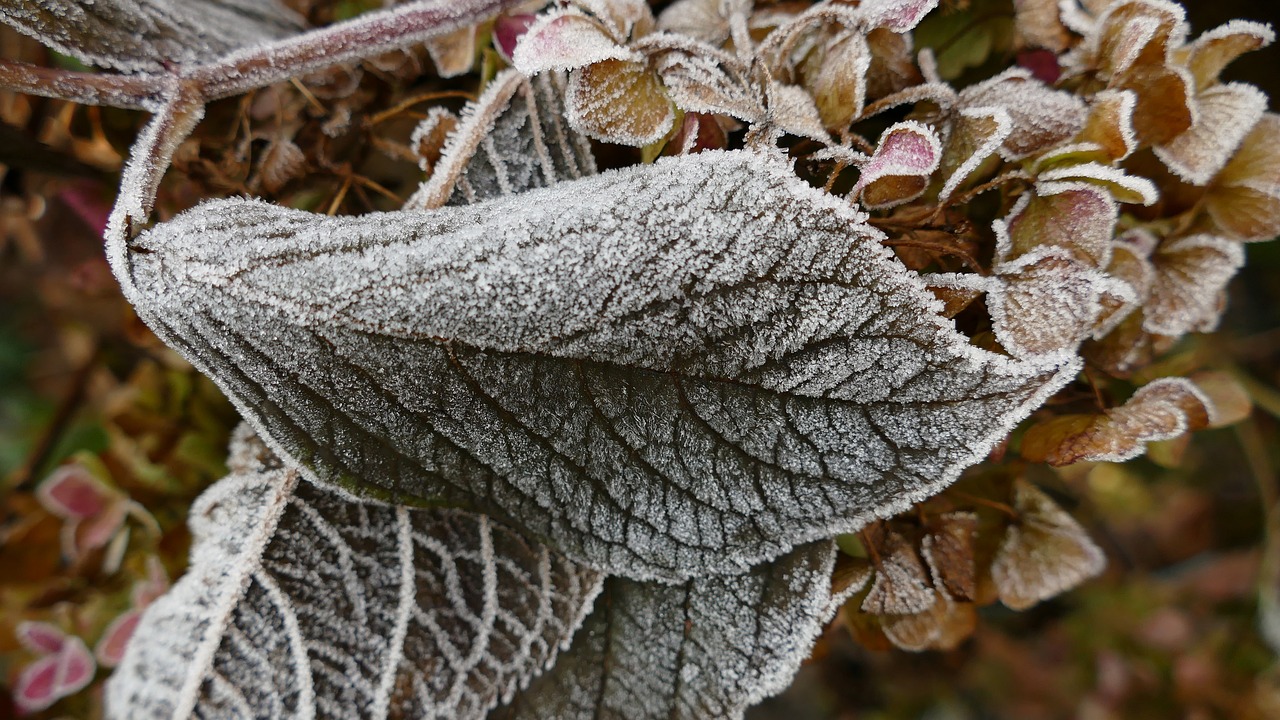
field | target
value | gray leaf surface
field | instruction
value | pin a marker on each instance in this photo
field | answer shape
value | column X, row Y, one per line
column 301, row 603
column 707, row 648
column 147, row 35
column 677, row 369
column 512, row 139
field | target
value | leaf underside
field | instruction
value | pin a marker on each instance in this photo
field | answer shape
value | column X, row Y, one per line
column 301, row 603
column 663, row 372
column 707, row 648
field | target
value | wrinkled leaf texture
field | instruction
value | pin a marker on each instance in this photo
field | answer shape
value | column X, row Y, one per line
column 301, row 603
column 663, row 372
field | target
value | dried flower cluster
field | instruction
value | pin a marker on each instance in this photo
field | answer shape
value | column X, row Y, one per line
column 811, row 310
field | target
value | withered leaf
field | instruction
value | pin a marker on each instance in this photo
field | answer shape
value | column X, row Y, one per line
column 1225, row 115
column 835, row 73
column 1045, row 302
column 976, row 134
column 942, row 626
column 948, row 550
column 573, row 360
column 1076, row 216
column 1044, row 553
column 619, row 101
column 1244, row 199
column 1188, row 290
column 1110, row 124
column 705, row 648
column 1217, row 48
column 900, row 585
column 1042, row 117
column 1161, row 410
column 302, row 603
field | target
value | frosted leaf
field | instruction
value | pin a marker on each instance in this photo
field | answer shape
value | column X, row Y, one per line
column 1132, row 268
column 619, row 101
column 1044, row 302
column 623, row 18
column 1077, row 216
column 513, row 138
column 948, row 550
column 705, row 20
column 453, row 53
column 792, row 111
column 835, row 74
column 699, row 84
column 1110, row 124
column 149, row 35
column 956, row 290
column 1215, row 49
column 566, row 40
column 1123, row 187
column 682, row 368
column 1189, row 288
column 899, row 170
column 1226, row 115
column 1160, row 410
column 706, row 648
column 1042, row 117
column 896, row 15
column 976, row 135
column 1244, row 199
column 429, row 137
column 900, row 585
column 1044, row 553
column 300, row 602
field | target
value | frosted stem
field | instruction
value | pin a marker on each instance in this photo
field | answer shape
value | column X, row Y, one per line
column 133, row 92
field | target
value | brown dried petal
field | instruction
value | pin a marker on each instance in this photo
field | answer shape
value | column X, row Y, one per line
column 1230, row 400
column 428, row 138
column 948, row 550
column 1244, row 199
column 1225, row 116
column 1044, row 302
column 1188, row 292
column 1137, row 33
column 791, row 110
column 1042, row 117
column 954, row 299
column 1044, row 553
column 1129, row 265
column 901, row 585
column 835, row 74
column 893, row 67
column 1110, row 124
column 1040, row 24
column 698, row 84
column 1163, row 110
column 706, row 20
column 1161, row 410
column 282, row 162
column 976, row 134
column 1215, row 49
column 623, row 18
column 620, row 102
column 453, row 53
column 1126, row 348
column 918, row 631
column 1077, row 216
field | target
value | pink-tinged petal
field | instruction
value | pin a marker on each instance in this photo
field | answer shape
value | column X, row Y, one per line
column 899, row 170
column 40, row 637
column 97, row 531
column 156, row 584
column 71, row 492
column 35, row 688
column 566, row 41
column 507, row 31
column 75, row 668
column 897, row 15
column 115, row 639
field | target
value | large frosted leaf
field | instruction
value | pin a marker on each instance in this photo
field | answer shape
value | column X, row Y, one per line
column 301, row 603
column 138, row 35
column 707, row 648
column 672, row 370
